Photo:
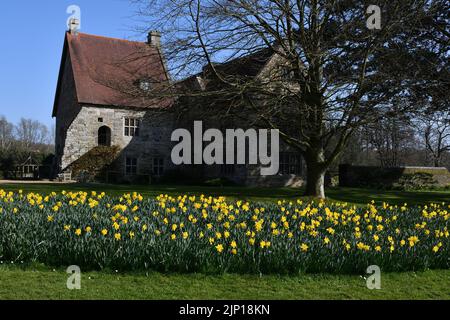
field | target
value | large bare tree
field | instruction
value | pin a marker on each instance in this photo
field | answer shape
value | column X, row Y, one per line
column 341, row 72
column 434, row 129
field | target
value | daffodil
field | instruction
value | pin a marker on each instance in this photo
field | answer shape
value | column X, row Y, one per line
column 413, row 240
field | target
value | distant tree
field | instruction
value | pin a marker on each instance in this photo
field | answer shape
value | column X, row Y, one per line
column 31, row 132
column 6, row 135
column 391, row 139
column 18, row 142
column 338, row 75
column 434, row 129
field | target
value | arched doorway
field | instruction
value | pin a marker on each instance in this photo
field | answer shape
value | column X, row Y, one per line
column 104, row 136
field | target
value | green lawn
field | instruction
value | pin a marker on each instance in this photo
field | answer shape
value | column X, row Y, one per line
column 42, row 283
column 352, row 195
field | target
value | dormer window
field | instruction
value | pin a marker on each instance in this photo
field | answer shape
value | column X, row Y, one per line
column 145, row 85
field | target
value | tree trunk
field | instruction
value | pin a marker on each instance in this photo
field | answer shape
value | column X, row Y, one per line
column 437, row 162
column 315, row 183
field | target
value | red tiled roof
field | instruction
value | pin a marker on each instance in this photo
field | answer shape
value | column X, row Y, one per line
column 106, row 71
column 243, row 68
column 247, row 66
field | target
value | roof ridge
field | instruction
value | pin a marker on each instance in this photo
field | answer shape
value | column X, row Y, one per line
column 248, row 55
column 109, row 38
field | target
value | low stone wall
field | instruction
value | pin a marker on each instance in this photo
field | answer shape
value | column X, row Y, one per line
column 367, row 176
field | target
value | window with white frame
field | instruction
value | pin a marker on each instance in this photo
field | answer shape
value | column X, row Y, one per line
column 290, row 163
column 158, row 167
column 131, row 126
column 131, row 166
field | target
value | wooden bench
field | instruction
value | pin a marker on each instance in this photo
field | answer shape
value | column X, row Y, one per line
column 65, row 176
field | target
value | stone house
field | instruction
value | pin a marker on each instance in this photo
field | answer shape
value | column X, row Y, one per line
column 101, row 100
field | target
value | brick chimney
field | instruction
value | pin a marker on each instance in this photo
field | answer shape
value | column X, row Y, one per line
column 154, row 38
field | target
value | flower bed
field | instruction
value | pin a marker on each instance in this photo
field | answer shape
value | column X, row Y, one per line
column 205, row 234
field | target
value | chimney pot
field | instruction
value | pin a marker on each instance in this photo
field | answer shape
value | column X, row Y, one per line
column 154, row 38
column 74, row 26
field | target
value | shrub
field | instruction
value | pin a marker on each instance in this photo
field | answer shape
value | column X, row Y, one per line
column 416, row 181
column 94, row 164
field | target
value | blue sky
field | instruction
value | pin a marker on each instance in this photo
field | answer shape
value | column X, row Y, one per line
column 31, row 41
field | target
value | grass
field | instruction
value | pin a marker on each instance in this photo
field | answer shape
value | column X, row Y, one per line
column 42, row 283
column 352, row 195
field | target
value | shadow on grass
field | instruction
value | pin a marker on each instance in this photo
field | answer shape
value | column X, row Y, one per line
column 363, row 196
column 350, row 195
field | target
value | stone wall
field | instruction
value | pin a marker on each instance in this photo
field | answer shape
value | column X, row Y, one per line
column 67, row 111
column 248, row 175
column 153, row 140
column 81, row 126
